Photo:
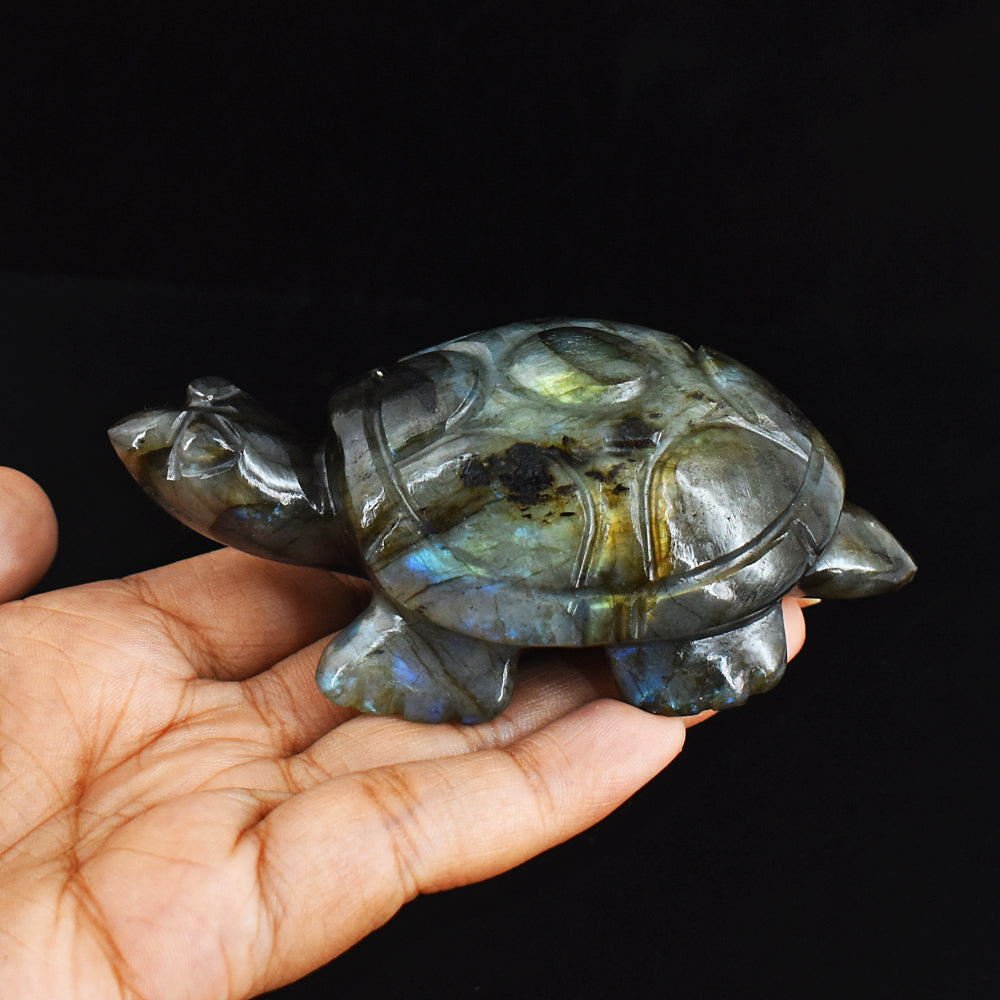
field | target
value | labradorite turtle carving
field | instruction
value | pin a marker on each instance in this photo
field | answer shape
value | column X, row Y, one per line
column 570, row 483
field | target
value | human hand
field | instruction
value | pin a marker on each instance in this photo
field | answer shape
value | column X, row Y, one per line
column 184, row 814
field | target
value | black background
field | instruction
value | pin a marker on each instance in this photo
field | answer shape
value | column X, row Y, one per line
column 290, row 194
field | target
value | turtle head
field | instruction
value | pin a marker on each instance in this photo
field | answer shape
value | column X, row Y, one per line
column 227, row 468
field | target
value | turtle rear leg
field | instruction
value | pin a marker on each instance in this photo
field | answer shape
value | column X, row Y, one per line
column 691, row 675
column 391, row 663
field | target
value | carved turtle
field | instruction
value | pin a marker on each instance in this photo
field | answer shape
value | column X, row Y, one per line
column 562, row 483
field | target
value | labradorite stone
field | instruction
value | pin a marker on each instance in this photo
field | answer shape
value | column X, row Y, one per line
column 562, row 483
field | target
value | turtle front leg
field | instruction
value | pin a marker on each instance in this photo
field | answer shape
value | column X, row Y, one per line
column 391, row 663
column 691, row 675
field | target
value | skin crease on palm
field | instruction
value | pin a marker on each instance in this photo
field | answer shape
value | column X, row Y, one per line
column 185, row 816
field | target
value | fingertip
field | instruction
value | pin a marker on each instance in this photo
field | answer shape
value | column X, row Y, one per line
column 694, row 720
column 627, row 742
column 795, row 625
column 28, row 533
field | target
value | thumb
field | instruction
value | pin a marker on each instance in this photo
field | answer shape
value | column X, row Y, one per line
column 28, row 533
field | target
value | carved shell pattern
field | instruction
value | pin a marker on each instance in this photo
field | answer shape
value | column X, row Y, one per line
column 586, row 483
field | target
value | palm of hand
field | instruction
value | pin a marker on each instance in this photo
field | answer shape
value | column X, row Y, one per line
column 184, row 815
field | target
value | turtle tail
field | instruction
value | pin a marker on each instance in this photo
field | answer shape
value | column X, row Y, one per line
column 862, row 559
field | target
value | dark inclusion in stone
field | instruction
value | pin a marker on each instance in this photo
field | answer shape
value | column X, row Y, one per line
column 475, row 472
column 522, row 470
column 631, row 433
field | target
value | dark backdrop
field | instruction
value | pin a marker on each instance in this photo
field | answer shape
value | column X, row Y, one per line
column 290, row 194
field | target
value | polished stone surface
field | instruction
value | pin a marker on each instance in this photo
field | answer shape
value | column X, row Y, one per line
column 562, row 483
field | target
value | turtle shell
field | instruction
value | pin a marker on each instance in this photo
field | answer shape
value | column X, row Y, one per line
column 581, row 483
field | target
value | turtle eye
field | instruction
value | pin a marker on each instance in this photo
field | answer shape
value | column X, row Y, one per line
column 202, row 449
